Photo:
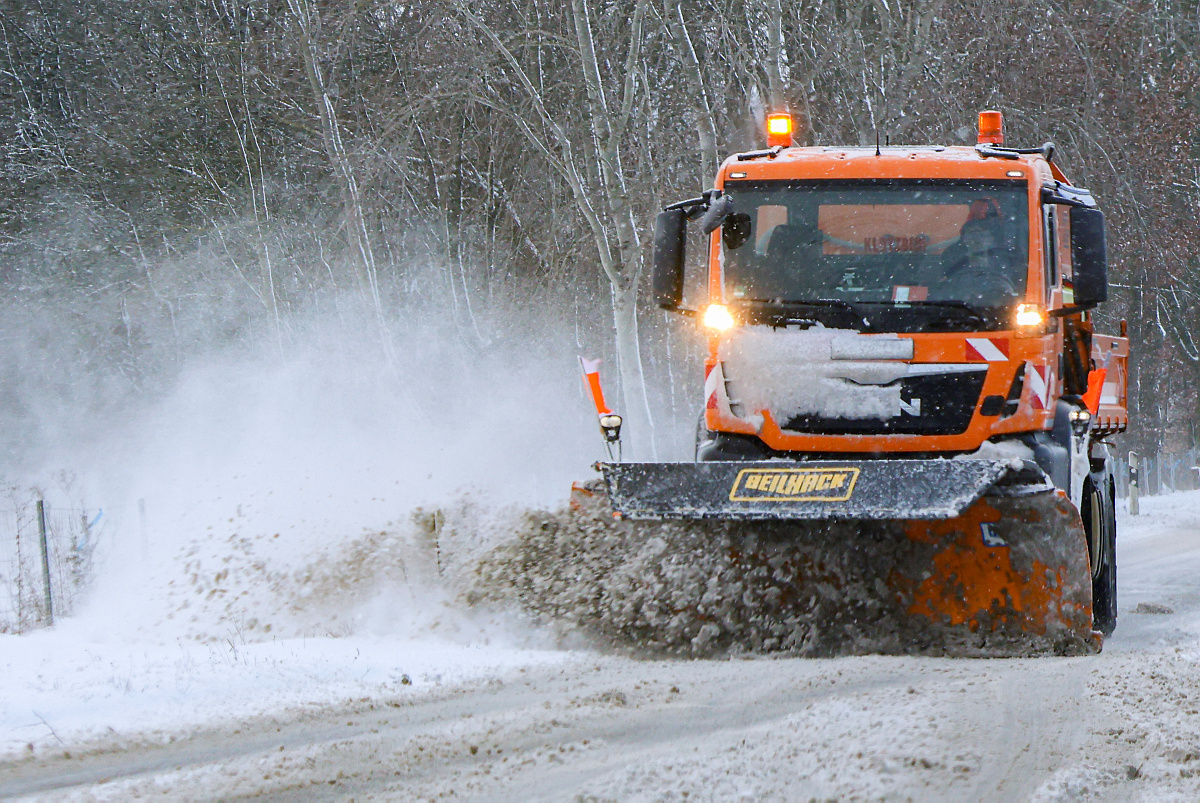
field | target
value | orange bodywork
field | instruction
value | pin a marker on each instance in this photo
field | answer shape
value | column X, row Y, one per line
column 1112, row 414
column 1030, row 349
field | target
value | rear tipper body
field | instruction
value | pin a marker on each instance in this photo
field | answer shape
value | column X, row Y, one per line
column 900, row 342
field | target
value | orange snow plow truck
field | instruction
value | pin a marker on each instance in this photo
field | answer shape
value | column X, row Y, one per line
column 902, row 368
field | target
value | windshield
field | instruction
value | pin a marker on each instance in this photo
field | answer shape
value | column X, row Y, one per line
column 898, row 254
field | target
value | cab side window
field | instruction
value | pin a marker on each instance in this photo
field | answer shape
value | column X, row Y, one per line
column 1050, row 240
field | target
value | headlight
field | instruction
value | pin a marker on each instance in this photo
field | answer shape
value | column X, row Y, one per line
column 1029, row 315
column 718, row 317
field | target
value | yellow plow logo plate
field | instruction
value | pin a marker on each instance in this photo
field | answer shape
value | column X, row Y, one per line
column 793, row 485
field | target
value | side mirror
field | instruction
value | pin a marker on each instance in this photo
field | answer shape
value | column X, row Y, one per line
column 670, row 236
column 1089, row 256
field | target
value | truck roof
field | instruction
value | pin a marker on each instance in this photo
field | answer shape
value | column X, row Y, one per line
column 891, row 162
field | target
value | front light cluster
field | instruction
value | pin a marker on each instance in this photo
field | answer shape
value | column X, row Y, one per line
column 1028, row 315
column 718, row 317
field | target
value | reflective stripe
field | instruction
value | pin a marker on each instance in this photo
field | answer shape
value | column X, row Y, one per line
column 984, row 348
column 1041, row 382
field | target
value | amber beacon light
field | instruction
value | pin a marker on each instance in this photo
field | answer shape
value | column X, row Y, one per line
column 779, row 130
column 991, row 128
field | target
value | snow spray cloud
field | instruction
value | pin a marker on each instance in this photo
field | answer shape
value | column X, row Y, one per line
column 272, row 450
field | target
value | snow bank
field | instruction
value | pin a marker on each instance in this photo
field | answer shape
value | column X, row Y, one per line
column 1157, row 514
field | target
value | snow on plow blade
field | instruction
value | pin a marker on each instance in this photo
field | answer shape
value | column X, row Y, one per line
column 868, row 489
column 967, row 558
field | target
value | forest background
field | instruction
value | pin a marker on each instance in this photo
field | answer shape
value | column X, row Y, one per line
column 185, row 176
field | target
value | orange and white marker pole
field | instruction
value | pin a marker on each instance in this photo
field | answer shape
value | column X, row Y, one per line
column 591, row 373
column 610, row 422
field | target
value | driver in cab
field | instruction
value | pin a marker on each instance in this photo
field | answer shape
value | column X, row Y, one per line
column 980, row 270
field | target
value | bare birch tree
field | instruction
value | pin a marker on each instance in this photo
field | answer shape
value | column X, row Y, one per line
column 309, row 22
column 598, row 181
column 693, row 73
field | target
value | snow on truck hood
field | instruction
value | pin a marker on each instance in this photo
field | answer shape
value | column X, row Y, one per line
column 832, row 373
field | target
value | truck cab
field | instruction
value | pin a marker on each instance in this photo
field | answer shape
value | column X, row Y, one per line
column 901, row 302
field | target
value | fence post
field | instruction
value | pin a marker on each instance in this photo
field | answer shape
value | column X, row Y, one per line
column 142, row 528
column 41, row 514
column 1133, row 483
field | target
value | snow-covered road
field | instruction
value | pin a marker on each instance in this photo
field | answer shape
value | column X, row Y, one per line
column 401, row 720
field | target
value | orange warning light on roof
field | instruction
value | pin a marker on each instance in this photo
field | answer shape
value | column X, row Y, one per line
column 779, row 130
column 991, row 128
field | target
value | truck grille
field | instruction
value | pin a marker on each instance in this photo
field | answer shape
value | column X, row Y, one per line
column 933, row 404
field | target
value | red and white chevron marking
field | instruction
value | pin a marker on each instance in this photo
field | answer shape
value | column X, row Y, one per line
column 987, row 349
column 1040, row 379
column 714, row 384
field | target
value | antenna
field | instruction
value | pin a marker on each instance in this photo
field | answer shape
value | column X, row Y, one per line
column 877, row 151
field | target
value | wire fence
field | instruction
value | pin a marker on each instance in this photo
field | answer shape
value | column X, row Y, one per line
column 1160, row 473
column 45, row 561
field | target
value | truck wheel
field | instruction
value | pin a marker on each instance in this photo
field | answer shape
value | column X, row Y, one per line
column 1100, row 523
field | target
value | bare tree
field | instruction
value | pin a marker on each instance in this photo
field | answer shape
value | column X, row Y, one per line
column 597, row 178
column 309, row 23
column 693, row 72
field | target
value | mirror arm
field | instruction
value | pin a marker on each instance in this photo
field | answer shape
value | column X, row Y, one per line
column 1066, row 195
column 1063, row 312
column 683, row 204
column 694, row 207
column 718, row 209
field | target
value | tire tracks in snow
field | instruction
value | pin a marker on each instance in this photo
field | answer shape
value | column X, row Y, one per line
column 626, row 729
column 604, row 714
column 1035, row 715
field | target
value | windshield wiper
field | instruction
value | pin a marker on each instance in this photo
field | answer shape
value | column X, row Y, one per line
column 955, row 305
column 836, row 303
column 961, row 312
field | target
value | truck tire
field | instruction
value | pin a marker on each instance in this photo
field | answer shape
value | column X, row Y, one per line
column 1100, row 524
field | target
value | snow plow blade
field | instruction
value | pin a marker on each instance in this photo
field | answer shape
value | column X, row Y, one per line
column 960, row 558
column 863, row 490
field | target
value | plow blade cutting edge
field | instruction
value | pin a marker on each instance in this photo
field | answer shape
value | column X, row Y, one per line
column 938, row 557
